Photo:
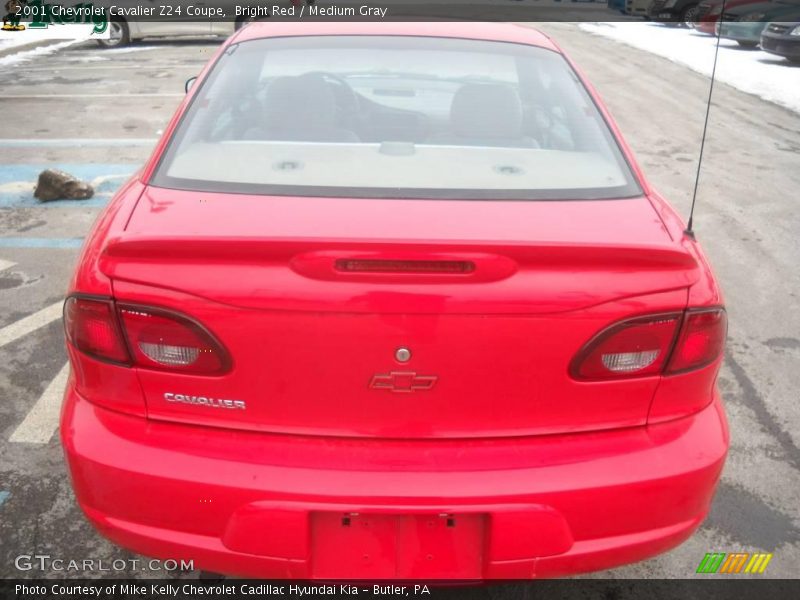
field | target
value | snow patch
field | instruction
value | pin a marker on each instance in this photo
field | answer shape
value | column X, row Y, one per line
column 752, row 71
column 26, row 55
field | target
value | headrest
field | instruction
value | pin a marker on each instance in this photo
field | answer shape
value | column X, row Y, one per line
column 486, row 111
column 303, row 102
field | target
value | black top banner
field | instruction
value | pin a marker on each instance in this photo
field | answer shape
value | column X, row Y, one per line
column 39, row 13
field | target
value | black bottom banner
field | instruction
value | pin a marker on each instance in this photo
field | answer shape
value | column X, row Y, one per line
column 619, row 589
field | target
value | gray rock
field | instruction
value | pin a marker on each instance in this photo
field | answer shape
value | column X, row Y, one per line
column 54, row 185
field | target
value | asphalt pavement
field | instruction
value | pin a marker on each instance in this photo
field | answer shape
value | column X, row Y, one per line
column 97, row 113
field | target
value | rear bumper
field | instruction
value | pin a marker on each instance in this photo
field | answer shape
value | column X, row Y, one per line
column 781, row 46
column 708, row 26
column 274, row 506
column 664, row 15
column 741, row 31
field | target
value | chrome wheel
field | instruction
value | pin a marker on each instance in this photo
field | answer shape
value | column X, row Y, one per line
column 689, row 16
column 117, row 35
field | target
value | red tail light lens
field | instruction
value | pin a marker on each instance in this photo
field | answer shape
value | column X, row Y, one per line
column 633, row 348
column 92, row 328
column 651, row 345
column 701, row 341
column 142, row 336
column 160, row 339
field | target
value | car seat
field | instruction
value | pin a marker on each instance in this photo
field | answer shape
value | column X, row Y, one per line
column 301, row 108
column 485, row 115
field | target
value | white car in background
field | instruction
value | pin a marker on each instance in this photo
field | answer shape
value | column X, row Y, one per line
column 123, row 30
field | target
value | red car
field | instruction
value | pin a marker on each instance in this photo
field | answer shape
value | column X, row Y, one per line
column 710, row 11
column 393, row 301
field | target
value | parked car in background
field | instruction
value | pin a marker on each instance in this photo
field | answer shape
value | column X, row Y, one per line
column 637, row 8
column 709, row 11
column 123, row 31
column 393, row 301
column 745, row 23
column 783, row 39
column 673, row 11
column 617, row 5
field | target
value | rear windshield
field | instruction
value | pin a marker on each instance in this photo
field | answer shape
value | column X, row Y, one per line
column 395, row 117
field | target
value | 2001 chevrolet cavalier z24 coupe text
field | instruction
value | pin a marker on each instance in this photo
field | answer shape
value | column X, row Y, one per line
column 393, row 301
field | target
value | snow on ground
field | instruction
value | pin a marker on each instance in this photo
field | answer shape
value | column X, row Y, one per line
column 71, row 31
column 753, row 71
column 9, row 42
column 52, row 38
column 26, row 55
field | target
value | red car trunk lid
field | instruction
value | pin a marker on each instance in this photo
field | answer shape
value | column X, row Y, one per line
column 313, row 297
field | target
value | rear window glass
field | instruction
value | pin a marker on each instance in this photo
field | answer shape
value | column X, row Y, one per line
column 399, row 117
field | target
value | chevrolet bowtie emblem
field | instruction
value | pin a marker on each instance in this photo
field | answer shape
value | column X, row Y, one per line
column 403, row 382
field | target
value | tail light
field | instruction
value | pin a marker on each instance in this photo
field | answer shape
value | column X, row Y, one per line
column 701, row 341
column 652, row 345
column 143, row 337
column 160, row 339
column 92, row 328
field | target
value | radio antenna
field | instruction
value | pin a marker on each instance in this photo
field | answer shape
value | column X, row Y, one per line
column 689, row 230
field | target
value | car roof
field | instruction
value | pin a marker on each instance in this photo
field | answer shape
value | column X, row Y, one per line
column 497, row 32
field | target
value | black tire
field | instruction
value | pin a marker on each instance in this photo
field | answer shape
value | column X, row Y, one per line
column 688, row 15
column 746, row 44
column 119, row 35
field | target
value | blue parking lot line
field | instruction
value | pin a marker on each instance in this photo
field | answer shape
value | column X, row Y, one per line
column 34, row 242
column 12, row 197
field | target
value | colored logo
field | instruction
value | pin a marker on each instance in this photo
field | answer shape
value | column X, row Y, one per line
column 403, row 382
column 736, row 562
column 41, row 15
column 13, row 16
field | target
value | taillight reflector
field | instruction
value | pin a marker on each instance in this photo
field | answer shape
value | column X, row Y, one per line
column 160, row 339
column 142, row 336
column 652, row 345
column 632, row 348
